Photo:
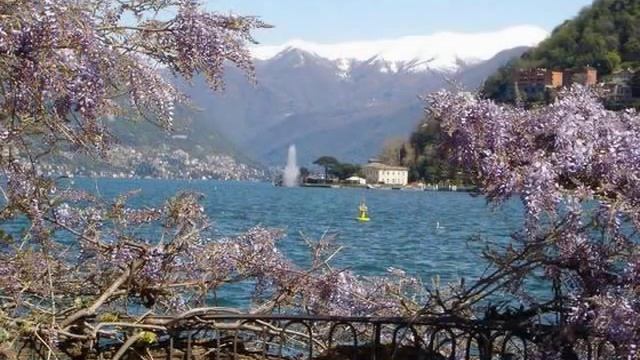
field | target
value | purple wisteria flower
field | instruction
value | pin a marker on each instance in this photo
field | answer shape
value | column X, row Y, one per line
column 576, row 168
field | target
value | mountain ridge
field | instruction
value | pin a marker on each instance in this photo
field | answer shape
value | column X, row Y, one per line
column 303, row 98
column 441, row 51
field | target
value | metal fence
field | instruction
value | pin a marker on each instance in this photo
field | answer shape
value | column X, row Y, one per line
column 242, row 336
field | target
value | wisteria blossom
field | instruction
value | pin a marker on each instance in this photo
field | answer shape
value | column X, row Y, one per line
column 83, row 262
column 576, row 168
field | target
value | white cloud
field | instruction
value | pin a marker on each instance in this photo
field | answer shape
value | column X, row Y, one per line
column 442, row 49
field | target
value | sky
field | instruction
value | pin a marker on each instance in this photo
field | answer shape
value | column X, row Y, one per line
column 331, row 21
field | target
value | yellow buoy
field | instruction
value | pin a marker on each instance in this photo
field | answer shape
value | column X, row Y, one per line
column 363, row 212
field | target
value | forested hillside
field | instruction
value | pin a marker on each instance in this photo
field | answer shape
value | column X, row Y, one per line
column 423, row 155
column 605, row 35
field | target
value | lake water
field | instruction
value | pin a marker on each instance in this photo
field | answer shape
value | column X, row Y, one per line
column 403, row 231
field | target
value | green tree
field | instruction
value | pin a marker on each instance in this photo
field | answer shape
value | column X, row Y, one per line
column 631, row 50
column 426, row 158
column 326, row 162
column 498, row 86
column 613, row 61
column 344, row 170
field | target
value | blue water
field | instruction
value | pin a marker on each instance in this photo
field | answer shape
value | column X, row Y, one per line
column 403, row 231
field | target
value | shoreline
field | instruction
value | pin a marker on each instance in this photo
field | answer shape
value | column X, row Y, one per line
column 463, row 188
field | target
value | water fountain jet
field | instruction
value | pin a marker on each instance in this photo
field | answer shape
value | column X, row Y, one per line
column 291, row 171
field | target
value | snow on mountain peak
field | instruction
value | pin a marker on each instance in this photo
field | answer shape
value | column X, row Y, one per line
column 440, row 51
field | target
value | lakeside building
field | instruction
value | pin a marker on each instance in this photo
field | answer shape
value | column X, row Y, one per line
column 537, row 83
column 377, row 173
column 356, row 180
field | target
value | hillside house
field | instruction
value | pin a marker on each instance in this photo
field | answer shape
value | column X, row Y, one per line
column 586, row 76
column 532, row 83
column 535, row 83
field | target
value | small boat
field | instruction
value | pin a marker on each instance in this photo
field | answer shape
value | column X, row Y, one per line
column 363, row 212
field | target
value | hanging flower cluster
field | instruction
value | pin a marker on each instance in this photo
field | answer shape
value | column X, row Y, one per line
column 576, row 168
column 81, row 262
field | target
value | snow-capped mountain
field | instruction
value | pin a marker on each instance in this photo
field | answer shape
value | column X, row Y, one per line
column 445, row 51
column 346, row 99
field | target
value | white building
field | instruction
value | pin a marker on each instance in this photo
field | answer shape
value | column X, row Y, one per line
column 356, row 180
column 377, row 173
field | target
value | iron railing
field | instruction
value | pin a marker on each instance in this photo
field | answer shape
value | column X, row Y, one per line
column 242, row 336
